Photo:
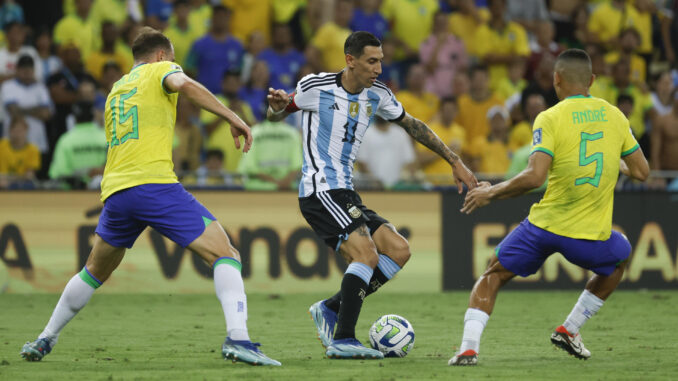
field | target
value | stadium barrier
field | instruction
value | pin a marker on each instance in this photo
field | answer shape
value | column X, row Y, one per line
column 45, row 238
column 648, row 219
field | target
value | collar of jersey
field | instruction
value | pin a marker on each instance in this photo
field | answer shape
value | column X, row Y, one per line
column 578, row 96
column 342, row 86
column 139, row 65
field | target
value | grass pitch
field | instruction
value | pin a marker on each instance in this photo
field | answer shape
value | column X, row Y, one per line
column 178, row 337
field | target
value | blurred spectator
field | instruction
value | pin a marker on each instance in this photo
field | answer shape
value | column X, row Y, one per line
column 325, row 52
column 391, row 70
column 461, row 84
column 608, row 19
column 15, row 34
column 629, row 40
column 366, row 17
column 603, row 80
column 200, row 16
column 274, row 162
column 307, row 19
column 418, row 102
column 211, row 173
column 453, row 135
column 63, row 87
column 570, row 18
column 218, row 131
column 645, row 11
column 410, row 24
column 158, row 13
column 669, row 30
column 78, row 29
column 110, row 52
column 519, row 160
column 513, row 84
column 110, row 75
column 521, row 133
column 642, row 103
column 664, row 145
column 474, row 106
column 543, row 44
column 10, row 12
column 283, row 59
column 186, row 155
column 443, row 55
column 500, row 42
column 181, row 32
column 255, row 45
column 465, row 21
column 80, row 154
column 385, row 153
column 250, row 16
column 19, row 159
column 528, row 13
column 25, row 98
column 49, row 63
column 625, row 104
column 117, row 11
column 256, row 89
column 542, row 83
column 215, row 53
column 491, row 154
column 662, row 99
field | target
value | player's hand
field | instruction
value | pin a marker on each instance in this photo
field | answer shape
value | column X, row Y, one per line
column 463, row 175
column 477, row 197
column 277, row 99
column 238, row 130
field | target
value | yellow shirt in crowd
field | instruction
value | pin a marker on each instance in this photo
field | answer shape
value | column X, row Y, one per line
column 452, row 135
column 422, row 107
column 473, row 115
column 329, row 40
column 464, row 26
column 510, row 40
column 412, row 19
column 637, row 66
column 249, row 16
column 18, row 162
column 494, row 156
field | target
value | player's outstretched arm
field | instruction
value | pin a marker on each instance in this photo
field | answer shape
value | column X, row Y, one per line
column 278, row 100
column 424, row 135
column 635, row 165
column 198, row 94
column 530, row 178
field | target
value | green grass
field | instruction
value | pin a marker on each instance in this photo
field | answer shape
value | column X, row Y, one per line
column 178, row 337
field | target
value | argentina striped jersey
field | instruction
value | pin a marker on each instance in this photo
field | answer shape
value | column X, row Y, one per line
column 333, row 123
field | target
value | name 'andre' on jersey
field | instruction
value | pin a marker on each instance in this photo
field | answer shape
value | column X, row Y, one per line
column 334, row 122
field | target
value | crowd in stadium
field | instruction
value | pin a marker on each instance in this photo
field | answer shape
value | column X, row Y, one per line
column 478, row 72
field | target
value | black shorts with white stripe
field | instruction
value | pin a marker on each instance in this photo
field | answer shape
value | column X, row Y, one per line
column 336, row 213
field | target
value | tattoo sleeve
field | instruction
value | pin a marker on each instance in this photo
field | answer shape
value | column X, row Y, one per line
column 424, row 135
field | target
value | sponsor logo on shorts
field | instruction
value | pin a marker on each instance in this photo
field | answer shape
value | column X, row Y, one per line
column 355, row 212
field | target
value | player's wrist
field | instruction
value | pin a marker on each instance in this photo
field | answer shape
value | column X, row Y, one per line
column 273, row 112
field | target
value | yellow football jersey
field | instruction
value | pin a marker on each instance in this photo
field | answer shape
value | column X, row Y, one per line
column 140, row 115
column 586, row 137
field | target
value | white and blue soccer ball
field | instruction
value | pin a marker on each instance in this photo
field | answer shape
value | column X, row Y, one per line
column 392, row 335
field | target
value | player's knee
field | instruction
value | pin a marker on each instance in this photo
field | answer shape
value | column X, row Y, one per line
column 366, row 254
column 399, row 251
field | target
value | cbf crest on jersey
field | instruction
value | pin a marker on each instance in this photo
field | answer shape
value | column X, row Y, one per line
column 536, row 137
column 353, row 109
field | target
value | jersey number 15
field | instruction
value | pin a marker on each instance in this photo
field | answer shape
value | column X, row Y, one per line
column 120, row 116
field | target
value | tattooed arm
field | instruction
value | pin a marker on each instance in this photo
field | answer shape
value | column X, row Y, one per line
column 424, row 135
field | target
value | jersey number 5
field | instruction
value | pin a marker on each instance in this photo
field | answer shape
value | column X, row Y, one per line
column 584, row 160
column 120, row 116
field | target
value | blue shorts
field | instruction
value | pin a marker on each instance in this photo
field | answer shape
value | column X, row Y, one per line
column 526, row 248
column 167, row 208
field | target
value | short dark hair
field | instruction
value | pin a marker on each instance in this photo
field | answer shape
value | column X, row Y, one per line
column 574, row 65
column 11, row 25
column 111, row 65
column 624, row 98
column 449, row 99
column 220, row 8
column 476, row 68
column 214, row 153
column 631, row 30
column 357, row 41
column 25, row 61
column 148, row 41
column 231, row 73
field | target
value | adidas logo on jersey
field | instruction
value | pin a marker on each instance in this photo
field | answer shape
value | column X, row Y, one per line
column 335, row 106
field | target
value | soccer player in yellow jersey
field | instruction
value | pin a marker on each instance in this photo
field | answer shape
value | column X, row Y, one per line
column 578, row 143
column 140, row 189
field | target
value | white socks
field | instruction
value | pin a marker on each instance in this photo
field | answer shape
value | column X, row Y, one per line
column 77, row 293
column 587, row 306
column 475, row 321
column 230, row 290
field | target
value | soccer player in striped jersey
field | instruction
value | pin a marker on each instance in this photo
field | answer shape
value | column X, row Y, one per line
column 140, row 189
column 579, row 143
column 336, row 110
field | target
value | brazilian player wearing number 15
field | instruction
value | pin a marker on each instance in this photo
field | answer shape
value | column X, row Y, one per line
column 140, row 189
column 336, row 110
column 579, row 143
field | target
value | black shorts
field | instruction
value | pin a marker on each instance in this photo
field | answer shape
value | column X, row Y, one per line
column 336, row 213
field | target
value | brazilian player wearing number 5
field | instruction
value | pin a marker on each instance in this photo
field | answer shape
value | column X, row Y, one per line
column 336, row 110
column 578, row 143
column 140, row 189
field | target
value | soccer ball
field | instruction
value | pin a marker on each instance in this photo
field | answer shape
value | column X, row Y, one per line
column 392, row 335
